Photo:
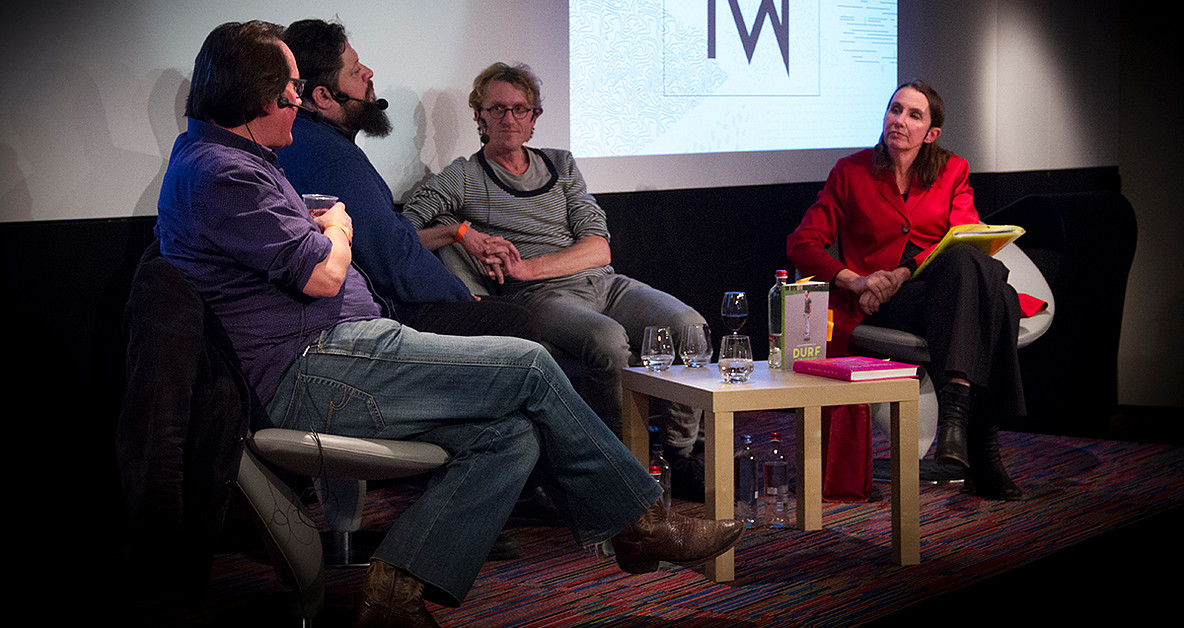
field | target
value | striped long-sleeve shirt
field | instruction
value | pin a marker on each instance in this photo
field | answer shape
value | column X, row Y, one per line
column 537, row 221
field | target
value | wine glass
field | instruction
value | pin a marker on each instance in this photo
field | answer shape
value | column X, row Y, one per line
column 734, row 310
column 695, row 345
column 657, row 348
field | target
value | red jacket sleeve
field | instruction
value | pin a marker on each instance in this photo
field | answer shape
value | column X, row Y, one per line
column 807, row 246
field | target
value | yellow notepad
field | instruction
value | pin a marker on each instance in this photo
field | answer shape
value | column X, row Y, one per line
column 987, row 238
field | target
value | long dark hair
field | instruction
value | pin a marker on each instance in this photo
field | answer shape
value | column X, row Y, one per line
column 932, row 157
column 239, row 69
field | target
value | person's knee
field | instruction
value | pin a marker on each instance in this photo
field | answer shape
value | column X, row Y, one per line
column 961, row 256
column 607, row 348
column 600, row 343
column 686, row 316
column 517, row 441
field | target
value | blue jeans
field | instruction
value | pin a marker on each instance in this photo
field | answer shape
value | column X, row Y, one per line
column 497, row 405
column 601, row 320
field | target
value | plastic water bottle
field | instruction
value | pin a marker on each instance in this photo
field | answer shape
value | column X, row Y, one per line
column 748, row 487
column 775, row 307
column 776, row 472
column 660, row 471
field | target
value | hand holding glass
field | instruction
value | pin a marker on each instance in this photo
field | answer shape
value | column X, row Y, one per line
column 318, row 203
column 734, row 310
column 695, row 346
column 657, row 348
column 735, row 359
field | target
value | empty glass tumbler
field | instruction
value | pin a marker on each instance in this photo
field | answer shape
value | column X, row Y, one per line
column 695, row 346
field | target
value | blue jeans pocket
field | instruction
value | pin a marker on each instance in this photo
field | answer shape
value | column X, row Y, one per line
column 333, row 407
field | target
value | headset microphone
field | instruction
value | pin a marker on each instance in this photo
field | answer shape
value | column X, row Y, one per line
column 381, row 103
column 284, row 103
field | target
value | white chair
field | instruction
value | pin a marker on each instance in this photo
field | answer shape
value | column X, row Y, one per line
column 293, row 543
column 907, row 347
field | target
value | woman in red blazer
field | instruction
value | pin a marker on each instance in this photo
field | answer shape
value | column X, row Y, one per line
column 887, row 207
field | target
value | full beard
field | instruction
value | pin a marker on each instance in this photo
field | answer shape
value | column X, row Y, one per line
column 367, row 118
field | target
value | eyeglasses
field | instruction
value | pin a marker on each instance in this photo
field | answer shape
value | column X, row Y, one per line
column 520, row 112
column 298, row 85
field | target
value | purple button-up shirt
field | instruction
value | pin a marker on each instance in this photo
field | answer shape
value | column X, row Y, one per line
column 229, row 219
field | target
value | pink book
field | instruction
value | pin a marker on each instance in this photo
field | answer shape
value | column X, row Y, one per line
column 855, row 368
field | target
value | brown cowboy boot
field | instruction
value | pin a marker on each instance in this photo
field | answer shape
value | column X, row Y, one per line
column 391, row 597
column 661, row 534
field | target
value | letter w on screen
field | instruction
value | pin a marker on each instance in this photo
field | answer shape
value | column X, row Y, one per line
column 779, row 24
column 674, row 77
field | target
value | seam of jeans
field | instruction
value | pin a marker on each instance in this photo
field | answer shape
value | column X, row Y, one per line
column 641, row 500
column 348, row 392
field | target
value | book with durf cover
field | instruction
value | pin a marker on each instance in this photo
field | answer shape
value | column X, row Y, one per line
column 803, row 321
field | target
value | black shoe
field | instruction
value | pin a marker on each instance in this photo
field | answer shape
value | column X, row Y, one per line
column 987, row 477
column 505, row 547
column 686, row 477
column 534, row 508
column 953, row 404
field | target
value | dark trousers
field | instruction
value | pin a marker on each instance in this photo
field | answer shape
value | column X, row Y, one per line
column 491, row 316
column 969, row 315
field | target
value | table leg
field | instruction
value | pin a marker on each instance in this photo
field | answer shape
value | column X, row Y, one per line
column 720, row 483
column 635, row 416
column 906, row 513
column 809, row 468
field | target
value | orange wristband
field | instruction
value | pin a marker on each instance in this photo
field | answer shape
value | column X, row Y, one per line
column 349, row 233
column 460, row 232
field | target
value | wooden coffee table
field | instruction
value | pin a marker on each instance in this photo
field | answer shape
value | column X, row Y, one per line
column 771, row 389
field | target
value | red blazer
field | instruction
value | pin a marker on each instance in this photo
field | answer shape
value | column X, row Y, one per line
column 873, row 221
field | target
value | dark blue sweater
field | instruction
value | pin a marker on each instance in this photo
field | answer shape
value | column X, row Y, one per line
column 323, row 159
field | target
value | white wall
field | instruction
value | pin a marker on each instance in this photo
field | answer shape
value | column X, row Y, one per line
column 90, row 102
column 91, row 97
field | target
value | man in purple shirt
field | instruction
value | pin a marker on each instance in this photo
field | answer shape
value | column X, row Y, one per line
column 308, row 337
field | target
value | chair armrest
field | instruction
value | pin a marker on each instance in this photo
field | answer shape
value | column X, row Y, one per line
column 309, row 453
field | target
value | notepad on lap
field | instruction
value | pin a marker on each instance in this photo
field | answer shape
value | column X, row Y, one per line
column 987, row 238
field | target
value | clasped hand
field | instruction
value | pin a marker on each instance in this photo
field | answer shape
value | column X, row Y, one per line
column 499, row 255
column 877, row 288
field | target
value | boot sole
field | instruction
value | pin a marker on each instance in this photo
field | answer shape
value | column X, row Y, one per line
column 952, row 460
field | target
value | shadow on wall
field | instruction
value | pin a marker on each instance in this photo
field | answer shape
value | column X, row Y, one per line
column 402, row 150
column 65, row 142
column 166, row 115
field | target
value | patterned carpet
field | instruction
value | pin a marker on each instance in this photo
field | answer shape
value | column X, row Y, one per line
column 843, row 575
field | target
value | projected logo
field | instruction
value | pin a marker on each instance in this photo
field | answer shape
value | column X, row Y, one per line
column 761, row 47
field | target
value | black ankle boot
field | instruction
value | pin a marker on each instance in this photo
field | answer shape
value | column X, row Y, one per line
column 988, row 478
column 953, row 405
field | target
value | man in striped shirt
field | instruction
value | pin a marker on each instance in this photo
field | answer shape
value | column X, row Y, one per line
column 526, row 214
